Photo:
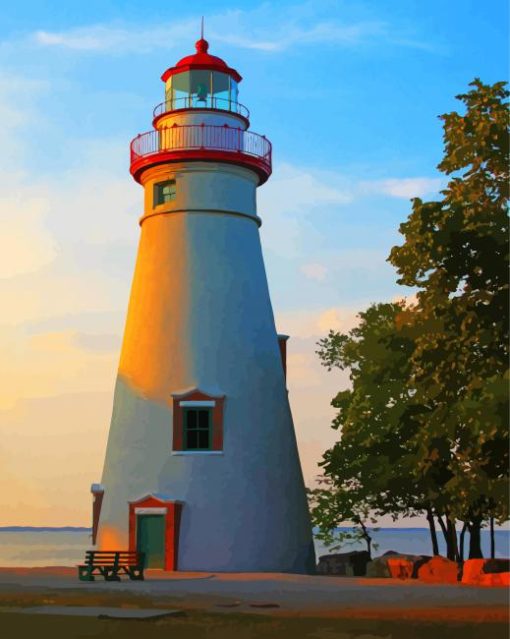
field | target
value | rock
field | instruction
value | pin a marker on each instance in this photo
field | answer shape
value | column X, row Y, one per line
column 395, row 565
column 438, row 570
column 400, row 567
column 472, row 571
column 349, row 564
column 378, row 567
column 496, row 579
column 486, row 572
column 496, row 565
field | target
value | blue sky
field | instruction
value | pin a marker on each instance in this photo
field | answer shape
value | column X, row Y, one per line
column 348, row 93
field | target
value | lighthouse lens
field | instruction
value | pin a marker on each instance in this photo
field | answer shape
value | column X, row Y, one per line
column 200, row 88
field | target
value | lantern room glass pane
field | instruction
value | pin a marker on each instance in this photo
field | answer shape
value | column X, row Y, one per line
column 234, row 91
column 180, row 90
column 224, row 91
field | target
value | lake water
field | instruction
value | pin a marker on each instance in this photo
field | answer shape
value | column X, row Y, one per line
column 67, row 548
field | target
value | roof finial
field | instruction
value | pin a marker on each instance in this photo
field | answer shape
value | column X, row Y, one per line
column 202, row 45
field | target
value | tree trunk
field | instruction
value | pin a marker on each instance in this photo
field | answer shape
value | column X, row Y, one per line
column 461, row 541
column 452, row 549
column 433, row 535
column 368, row 539
column 493, row 539
column 443, row 529
column 475, row 541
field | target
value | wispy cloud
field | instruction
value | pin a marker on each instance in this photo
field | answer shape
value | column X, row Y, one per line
column 25, row 244
column 314, row 271
column 120, row 39
column 307, row 324
column 263, row 29
column 286, row 37
column 403, row 187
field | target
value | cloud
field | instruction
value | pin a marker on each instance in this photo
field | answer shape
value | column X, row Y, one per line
column 408, row 300
column 264, row 28
column 307, row 324
column 49, row 364
column 292, row 36
column 25, row 243
column 100, row 343
column 294, row 188
column 403, row 187
column 120, row 39
column 52, row 450
column 314, row 271
column 294, row 192
column 20, row 118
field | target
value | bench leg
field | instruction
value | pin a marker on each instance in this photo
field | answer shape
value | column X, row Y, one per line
column 111, row 574
column 136, row 574
column 85, row 573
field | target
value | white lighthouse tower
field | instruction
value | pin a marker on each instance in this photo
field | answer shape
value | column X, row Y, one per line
column 202, row 469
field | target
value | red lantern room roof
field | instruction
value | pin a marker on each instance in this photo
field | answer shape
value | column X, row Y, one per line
column 201, row 60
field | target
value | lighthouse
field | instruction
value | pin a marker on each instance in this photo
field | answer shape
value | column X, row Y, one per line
column 202, row 471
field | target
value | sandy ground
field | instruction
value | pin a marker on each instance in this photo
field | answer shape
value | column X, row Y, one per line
column 267, row 593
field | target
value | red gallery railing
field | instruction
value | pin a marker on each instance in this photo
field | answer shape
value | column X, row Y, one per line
column 225, row 140
column 209, row 102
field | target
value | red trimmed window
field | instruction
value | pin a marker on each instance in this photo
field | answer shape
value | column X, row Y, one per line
column 198, row 422
column 164, row 192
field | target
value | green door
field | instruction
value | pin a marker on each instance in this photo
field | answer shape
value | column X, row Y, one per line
column 150, row 539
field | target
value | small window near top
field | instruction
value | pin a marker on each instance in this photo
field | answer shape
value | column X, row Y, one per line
column 164, row 192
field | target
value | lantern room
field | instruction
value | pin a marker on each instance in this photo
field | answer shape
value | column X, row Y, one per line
column 201, row 120
column 201, row 81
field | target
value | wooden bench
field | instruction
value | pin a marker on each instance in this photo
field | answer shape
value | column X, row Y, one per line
column 110, row 564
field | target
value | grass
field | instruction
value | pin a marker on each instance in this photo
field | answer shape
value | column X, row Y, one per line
column 202, row 625
column 198, row 623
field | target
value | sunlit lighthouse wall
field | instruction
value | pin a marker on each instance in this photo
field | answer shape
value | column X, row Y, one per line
column 202, row 469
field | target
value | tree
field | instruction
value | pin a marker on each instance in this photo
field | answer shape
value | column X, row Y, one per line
column 424, row 426
column 332, row 505
column 371, row 469
column 456, row 252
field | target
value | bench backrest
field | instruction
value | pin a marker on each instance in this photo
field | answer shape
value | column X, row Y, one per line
column 113, row 557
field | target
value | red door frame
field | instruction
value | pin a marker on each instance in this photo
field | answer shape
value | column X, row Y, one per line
column 172, row 523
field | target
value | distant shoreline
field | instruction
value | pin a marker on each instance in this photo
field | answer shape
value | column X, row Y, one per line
column 88, row 529
column 45, row 529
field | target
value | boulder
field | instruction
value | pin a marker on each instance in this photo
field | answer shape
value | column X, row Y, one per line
column 438, row 570
column 400, row 567
column 486, row 572
column 496, row 565
column 349, row 564
column 395, row 565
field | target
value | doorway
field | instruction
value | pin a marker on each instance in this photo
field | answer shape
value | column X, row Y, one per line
column 150, row 539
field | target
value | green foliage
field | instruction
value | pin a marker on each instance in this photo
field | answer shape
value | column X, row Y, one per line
column 425, row 424
column 456, row 252
column 372, row 466
column 332, row 505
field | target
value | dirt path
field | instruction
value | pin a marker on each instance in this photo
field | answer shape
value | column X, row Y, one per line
column 263, row 593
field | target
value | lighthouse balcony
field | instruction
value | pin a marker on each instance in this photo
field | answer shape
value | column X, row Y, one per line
column 208, row 102
column 180, row 143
